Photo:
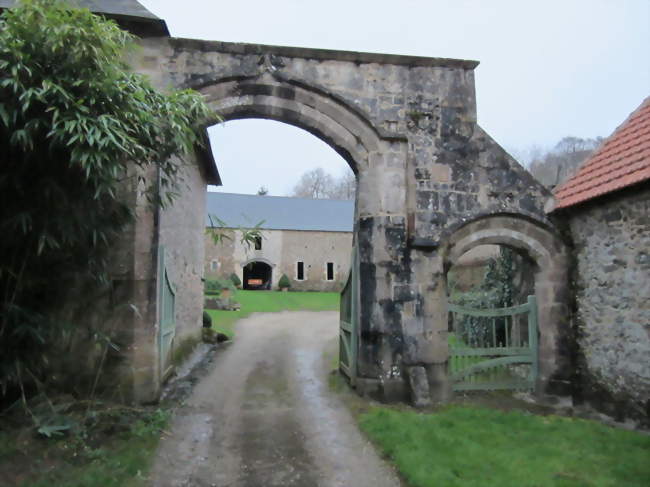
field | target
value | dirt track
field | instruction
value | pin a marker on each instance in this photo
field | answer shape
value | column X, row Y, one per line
column 264, row 417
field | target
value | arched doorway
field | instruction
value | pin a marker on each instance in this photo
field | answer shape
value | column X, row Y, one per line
column 548, row 264
column 377, row 158
column 492, row 320
column 258, row 276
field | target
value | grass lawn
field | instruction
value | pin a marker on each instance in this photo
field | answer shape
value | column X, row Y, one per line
column 475, row 446
column 271, row 301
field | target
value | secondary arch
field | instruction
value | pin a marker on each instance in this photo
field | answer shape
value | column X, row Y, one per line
column 549, row 254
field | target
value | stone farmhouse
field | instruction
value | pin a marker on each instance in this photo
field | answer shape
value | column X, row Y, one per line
column 309, row 240
column 607, row 206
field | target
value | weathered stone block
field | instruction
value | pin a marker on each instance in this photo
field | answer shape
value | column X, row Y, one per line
column 419, row 386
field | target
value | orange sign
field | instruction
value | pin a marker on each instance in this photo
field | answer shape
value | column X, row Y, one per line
column 255, row 282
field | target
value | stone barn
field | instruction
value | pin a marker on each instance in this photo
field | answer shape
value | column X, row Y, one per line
column 607, row 206
column 309, row 240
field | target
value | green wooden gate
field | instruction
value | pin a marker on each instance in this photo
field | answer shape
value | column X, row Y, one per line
column 493, row 349
column 166, row 315
column 349, row 320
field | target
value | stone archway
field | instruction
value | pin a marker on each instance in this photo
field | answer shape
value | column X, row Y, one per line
column 431, row 183
column 407, row 126
column 377, row 159
column 543, row 246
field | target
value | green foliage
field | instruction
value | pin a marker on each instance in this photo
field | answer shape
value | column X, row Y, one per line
column 499, row 278
column 478, row 447
column 215, row 286
column 284, row 282
column 496, row 291
column 109, row 446
column 211, row 286
column 207, row 319
column 151, row 423
column 234, row 278
column 226, row 284
column 50, row 430
column 219, row 230
column 79, row 133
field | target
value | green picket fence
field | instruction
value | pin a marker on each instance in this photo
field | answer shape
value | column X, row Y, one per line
column 492, row 349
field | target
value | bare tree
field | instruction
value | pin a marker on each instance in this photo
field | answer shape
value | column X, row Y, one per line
column 319, row 184
column 314, row 184
column 345, row 187
column 559, row 164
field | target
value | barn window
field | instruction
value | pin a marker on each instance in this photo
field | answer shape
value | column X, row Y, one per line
column 330, row 271
column 300, row 271
column 258, row 243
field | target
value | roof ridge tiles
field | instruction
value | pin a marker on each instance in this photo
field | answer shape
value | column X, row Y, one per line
column 635, row 166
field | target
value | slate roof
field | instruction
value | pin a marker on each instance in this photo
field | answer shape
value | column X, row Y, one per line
column 280, row 212
column 623, row 160
column 129, row 13
column 119, row 7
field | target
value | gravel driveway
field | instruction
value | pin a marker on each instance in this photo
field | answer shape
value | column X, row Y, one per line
column 264, row 417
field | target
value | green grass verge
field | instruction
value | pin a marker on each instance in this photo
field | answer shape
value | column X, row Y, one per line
column 269, row 302
column 121, row 465
column 471, row 446
column 95, row 458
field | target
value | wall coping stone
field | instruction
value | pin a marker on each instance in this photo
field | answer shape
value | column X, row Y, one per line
column 322, row 54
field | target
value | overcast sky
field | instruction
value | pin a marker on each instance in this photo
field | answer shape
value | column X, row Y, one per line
column 548, row 68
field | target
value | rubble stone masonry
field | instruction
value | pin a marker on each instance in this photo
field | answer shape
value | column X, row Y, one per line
column 612, row 249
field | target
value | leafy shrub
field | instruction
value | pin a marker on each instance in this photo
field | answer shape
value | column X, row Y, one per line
column 207, row 320
column 211, row 286
column 496, row 291
column 215, row 286
column 226, row 284
column 74, row 122
column 234, row 278
column 284, row 282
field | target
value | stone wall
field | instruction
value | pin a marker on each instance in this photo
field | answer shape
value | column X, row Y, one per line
column 282, row 249
column 315, row 249
column 134, row 299
column 612, row 251
column 182, row 227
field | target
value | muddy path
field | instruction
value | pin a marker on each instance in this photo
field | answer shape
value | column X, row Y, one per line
column 263, row 416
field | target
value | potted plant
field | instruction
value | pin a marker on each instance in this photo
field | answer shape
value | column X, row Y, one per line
column 284, row 284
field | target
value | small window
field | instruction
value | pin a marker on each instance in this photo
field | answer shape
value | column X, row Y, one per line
column 300, row 271
column 258, row 243
column 330, row 271
column 214, row 265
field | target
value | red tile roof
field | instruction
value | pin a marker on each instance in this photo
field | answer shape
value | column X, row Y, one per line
column 622, row 160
